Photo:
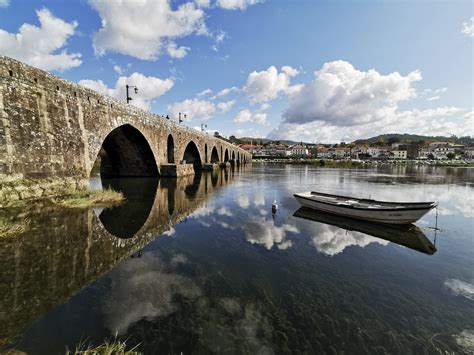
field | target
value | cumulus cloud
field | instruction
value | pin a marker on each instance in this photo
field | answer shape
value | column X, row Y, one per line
column 245, row 116
column 236, row 4
column 266, row 85
column 145, row 288
column 176, row 52
column 42, row 46
column 225, row 106
column 142, row 29
column 468, row 27
column 193, row 108
column 342, row 101
column 343, row 95
column 332, row 240
column 248, row 132
column 149, row 88
column 4, row 3
column 259, row 230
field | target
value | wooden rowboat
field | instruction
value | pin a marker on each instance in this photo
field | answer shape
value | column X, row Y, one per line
column 366, row 209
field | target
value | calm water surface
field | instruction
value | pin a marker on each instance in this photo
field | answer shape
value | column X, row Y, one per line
column 202, row 265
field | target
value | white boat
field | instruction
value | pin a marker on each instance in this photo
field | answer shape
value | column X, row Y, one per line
column 366, row 209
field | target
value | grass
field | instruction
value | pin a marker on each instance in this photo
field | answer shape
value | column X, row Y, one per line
column 90, row 198
column 9, row 228
column 109, row 347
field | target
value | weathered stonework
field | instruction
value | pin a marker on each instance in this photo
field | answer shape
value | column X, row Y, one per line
column 53, row 128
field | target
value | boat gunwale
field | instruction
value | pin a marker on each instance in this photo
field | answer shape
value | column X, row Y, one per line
column 377, row 201
column 426, row 205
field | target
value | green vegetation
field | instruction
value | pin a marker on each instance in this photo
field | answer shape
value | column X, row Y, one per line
column 90, row 198
column 414, row 138
column 10, row 227
column 114, row 347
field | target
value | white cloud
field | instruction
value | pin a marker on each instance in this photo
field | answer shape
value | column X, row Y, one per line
column 118, row 69
column 176, row 52
column 43, row 46
column 203, row 3
column 345, row 102
column 142, row 29
column 4, row 3
column 248, row 132
column 245, row 116
column 343, row 95
column 461, row 288
column 290, row 71
column 224, row 211
column 194, row 109
column 468, row 27
column 204, row 93
column 264, row 107
column 465, row 339
column 259, row 230
column 438, row 121
column 225, row 106
column 149, row 88
column 266, row 85
column 145, row 288
column 243, row 201
column 225, row 92
column 332, row 240
column 432, row 98
column 236, row 4
column 218, row 37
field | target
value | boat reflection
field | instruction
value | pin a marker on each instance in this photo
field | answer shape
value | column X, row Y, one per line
column 409, row 236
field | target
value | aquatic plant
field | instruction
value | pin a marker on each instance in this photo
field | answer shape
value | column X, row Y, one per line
column 108, row 347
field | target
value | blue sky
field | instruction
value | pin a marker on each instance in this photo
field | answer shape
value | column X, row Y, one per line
column 317, row 71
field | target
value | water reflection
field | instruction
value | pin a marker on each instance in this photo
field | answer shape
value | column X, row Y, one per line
column 126, row 220
column 409, row 236
column 63, row 250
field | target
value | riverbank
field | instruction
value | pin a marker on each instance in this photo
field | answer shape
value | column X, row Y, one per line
column 15, row 217
column 64, row 192
column 355, row 163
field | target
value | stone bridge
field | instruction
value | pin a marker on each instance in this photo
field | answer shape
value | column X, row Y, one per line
column 51, row 128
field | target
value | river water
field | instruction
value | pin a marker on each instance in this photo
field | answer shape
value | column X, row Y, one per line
column 202, row 265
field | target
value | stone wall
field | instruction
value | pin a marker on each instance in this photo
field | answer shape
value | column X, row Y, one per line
column 53, row 128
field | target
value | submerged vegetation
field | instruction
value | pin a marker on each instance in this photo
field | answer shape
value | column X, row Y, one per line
column 90, row 198
column 109, row 347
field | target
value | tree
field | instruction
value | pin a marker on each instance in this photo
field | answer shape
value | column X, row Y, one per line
column 392, row 140
column 450, row 155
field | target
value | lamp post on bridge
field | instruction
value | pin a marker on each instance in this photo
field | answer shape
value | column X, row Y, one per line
column 179, row 119
column 203, row 125
column 128, row 96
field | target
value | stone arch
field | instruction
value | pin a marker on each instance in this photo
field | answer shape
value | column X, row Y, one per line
column 214, row 155
column 226, row 155
column 222, row 154
column 205, row 154
column 170, row 149
column 233, row 155
column 126, row 152
column 191, row 155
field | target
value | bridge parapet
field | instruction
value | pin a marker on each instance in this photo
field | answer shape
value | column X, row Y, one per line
column 51, row 128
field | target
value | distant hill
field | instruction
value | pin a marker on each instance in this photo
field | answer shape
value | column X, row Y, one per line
column 387, row 138
column 247, row 140
column 406, row 138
